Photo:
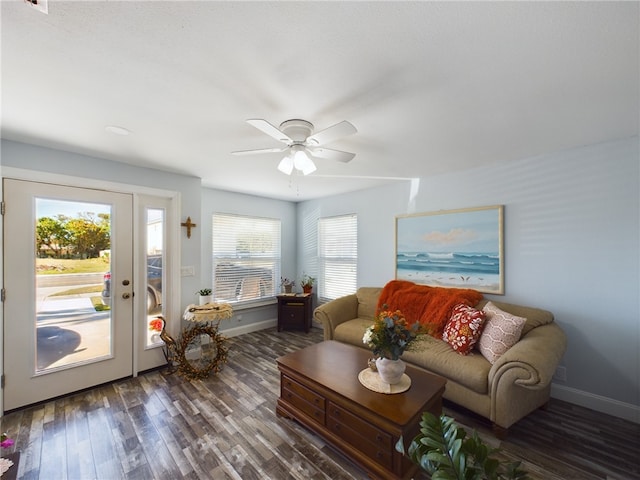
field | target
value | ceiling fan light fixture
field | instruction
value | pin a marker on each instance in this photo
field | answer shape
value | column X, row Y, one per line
column 286, row 165
column 302, row 162
column 296, row 134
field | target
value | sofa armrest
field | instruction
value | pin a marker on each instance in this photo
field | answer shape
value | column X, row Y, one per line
column 535, row 358
column 335, row 312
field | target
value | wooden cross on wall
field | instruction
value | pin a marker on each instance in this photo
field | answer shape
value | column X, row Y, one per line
column 189, row 224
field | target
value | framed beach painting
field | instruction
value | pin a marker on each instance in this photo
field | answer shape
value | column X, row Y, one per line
column 453, row 248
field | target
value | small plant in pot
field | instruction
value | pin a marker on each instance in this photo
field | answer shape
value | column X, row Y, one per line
column 205, row 295
column 286, row 285
column 443, row 450
column 307, row 283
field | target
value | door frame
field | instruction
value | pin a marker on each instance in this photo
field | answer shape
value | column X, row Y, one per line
column 173, row 244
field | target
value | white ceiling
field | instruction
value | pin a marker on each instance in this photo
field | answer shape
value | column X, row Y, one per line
column 431, row 87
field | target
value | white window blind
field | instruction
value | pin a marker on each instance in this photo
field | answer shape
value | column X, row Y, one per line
column 338, row 256
column 246, row 258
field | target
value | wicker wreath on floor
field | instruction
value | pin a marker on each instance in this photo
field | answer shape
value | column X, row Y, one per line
column 204, row 367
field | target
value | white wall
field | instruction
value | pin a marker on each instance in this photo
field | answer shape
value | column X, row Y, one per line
column 572, row 246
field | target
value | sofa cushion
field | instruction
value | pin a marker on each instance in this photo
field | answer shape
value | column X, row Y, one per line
column 352, row 331
column 463, row 329
column 367, row 301
column 434, row 355
column 437, row 356
column 502, row 330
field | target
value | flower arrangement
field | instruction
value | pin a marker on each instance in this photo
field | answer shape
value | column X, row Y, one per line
column 390, row 335
column 5, row 441
column 286, row 284
column 155, row 325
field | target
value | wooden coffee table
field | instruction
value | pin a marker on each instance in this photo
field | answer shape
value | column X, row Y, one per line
column 319, row 388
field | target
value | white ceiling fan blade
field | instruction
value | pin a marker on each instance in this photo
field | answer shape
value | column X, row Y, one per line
column 331, row 154
column 261, row 150
column 332, row 133
column 269, row 129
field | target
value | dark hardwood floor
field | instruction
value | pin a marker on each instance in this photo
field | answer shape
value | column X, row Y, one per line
column 161, row 426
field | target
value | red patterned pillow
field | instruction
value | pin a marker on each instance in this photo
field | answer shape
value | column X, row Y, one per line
column 463, row 328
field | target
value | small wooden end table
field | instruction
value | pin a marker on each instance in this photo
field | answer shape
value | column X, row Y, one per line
column 319, row 388
column 295, row 311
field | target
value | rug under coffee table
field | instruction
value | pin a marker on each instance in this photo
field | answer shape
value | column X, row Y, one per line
column 319, row 388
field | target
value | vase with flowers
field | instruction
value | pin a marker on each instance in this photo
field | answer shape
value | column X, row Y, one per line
column 286, row 284
column 389, row 337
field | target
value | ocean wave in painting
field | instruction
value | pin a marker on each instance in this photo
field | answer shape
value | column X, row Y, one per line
column 451, row 262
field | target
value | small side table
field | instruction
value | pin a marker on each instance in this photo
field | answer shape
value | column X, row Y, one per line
column 294, row 311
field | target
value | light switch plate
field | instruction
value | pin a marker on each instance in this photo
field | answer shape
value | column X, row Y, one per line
column 187, row 271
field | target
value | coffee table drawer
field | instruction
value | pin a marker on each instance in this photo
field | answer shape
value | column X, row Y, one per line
column 302, row 398
column 370, row 440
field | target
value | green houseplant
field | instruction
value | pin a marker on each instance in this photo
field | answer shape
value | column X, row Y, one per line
column 307, row 283
column 205, row 295
column 443, row 450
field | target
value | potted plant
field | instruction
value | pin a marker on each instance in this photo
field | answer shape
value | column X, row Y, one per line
column 286, row 285
column 307, row 283
column 205, row 295
column 443, row 450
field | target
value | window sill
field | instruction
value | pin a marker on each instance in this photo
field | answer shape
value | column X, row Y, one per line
column 257, row 304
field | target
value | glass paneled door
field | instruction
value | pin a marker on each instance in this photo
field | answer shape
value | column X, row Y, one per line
column 154, row 280
column 68, row 310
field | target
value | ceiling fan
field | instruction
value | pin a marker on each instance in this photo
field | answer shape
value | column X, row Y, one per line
column 300, row 144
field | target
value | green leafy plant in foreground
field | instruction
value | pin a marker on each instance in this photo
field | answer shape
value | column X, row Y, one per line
column 443, row 450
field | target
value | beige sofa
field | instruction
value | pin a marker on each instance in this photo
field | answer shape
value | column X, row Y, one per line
column 515, row 385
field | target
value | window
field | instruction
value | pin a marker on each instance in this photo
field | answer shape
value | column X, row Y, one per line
column 155, row 237
column 246, row 258
column 338, row 256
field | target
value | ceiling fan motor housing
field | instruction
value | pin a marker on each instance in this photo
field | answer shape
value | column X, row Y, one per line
column 297, row 130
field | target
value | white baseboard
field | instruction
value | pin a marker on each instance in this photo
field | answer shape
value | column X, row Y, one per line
column 252, row 327
column 595, row 402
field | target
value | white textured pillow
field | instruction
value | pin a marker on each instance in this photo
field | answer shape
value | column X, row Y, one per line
column 501, row 332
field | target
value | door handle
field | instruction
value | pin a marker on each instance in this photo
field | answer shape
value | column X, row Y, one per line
column 126, row 295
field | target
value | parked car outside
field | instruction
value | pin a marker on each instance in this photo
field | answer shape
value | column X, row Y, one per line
column 235, row 282
column 154, row 284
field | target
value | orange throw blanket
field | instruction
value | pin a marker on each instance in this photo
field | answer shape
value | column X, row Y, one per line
column 430, row 306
